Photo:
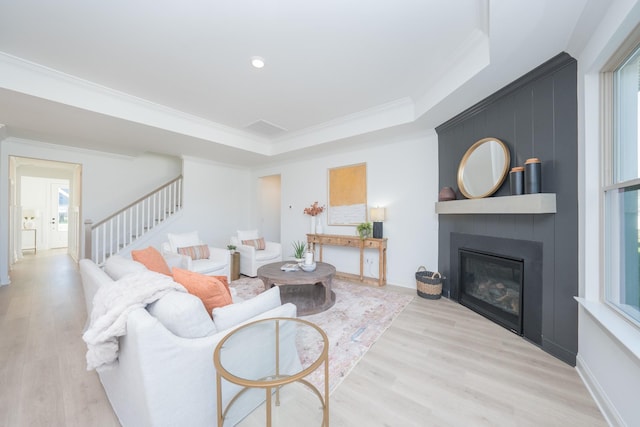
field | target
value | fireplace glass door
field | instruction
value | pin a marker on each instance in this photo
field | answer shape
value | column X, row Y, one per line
column 492, row 286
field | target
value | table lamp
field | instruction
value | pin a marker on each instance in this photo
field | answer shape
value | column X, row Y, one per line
column 377, row 216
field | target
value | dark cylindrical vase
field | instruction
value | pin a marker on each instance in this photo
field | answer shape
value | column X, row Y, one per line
column 532, row 176
column 516, row 180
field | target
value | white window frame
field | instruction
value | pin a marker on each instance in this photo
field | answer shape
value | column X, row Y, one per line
column 607, row 167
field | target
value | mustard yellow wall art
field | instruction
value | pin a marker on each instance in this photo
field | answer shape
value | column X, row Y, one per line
column 348, row 195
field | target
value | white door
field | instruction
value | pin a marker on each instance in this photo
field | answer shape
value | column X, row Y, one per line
column 59, row 216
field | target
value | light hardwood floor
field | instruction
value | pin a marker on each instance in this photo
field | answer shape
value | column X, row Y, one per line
column 439, row 364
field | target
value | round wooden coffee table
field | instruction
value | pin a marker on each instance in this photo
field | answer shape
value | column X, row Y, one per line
column 309, row 291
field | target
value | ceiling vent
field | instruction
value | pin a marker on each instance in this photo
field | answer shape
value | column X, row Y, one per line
column 263, row 127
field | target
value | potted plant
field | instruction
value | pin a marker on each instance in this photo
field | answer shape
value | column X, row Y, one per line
column 298, row 250
column 232, row 248
column 365, row 229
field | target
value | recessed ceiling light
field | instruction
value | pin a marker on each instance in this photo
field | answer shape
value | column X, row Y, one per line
column 257, row 62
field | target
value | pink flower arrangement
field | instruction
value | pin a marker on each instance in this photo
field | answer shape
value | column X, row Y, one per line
column 314, row 209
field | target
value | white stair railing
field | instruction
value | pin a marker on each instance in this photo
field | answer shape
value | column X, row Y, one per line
column 130, row 223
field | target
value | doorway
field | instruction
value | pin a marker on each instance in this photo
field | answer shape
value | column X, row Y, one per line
column 269, row 211
column 47, row 206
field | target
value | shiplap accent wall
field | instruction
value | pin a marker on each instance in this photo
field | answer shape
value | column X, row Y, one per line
column 536, row 116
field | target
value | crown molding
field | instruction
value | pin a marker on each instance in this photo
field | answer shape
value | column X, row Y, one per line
column 394, row 113
column 554, row 64
column 55, row 147
column 33, row 79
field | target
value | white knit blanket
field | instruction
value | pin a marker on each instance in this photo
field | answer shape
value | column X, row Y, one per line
column 111, row 307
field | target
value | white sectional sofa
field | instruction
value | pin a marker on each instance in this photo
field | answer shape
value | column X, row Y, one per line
column 165, row 374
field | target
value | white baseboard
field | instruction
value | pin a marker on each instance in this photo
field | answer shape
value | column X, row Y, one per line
column 609, row 411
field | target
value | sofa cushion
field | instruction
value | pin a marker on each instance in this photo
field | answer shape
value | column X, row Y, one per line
column 195, row 252
column 228, row 316
column 152, row 259
column 117, row 266
column 256, row 243
column 183, row 314
column 183, row 240
column 247, row 234
column 207, row 266
column 267, row 255
column 210, row 290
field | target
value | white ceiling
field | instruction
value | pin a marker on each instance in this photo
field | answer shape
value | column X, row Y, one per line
column 175, row 77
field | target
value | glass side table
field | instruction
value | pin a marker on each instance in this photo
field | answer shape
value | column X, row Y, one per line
column 263, row 355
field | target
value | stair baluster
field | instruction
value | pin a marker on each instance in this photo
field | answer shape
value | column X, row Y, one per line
column 124, row 227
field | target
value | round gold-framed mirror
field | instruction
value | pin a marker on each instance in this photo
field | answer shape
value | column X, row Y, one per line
column 483, row 168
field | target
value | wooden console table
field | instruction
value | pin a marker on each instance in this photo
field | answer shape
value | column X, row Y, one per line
column 354, row 242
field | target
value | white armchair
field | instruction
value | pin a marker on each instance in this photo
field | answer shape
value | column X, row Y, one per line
column 250, row 257
column 216, row 264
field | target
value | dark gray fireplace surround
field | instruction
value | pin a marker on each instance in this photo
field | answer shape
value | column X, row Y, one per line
column 531, row 254
column 535, row 116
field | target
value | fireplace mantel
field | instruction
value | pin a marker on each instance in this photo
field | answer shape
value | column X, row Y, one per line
column 540, row 203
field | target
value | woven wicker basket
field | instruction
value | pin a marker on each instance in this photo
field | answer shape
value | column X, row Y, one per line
column 429, row 284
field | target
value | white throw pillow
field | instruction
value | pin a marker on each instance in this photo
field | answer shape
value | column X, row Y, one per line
column 118, row 266
column 183, row 314
column 247, row 235
column 183, row 240
column 230, row 315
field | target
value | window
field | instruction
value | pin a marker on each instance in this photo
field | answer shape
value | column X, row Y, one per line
column 622, row 192
column 63, row 208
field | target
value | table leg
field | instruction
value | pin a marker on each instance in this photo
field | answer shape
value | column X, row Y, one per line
column 384, row 262
column 268, row 403
column 327, row 292
column 219, row 399
column 325, row 410
column 381, row 269
column 361, row 262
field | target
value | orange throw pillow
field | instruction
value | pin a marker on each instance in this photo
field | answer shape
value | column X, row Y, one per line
column 152, row 259
column 210, row 290
column 225, row 282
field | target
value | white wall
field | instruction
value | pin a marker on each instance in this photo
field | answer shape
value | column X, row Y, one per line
column 606, row 361
column 401, row 176
column 216, row 201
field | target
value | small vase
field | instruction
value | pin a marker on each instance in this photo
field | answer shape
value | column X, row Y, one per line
column 446, row 194
column 313, row 224
column 319, row 229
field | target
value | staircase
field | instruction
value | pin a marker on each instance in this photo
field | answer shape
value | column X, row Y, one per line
column 132, row 222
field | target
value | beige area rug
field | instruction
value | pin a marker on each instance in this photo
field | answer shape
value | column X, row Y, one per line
column 359, row 317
